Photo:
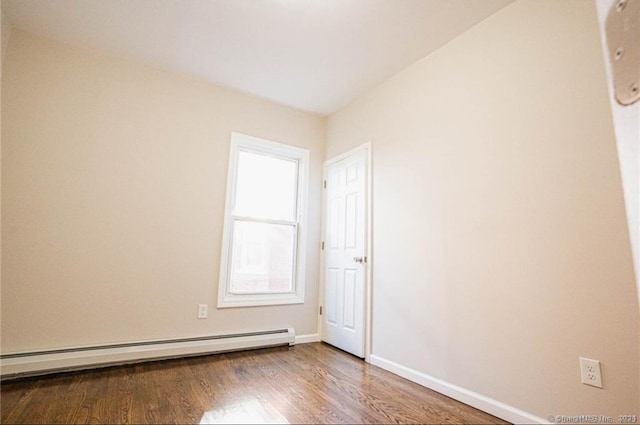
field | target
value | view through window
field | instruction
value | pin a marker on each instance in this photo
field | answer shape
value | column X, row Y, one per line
column 263, row 222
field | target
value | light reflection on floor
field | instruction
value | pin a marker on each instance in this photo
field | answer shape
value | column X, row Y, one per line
column 248, row 411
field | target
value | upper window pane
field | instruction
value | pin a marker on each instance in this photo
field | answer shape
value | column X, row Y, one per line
column 266, row 187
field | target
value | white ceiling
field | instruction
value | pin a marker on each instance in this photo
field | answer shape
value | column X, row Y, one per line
column 316, row 55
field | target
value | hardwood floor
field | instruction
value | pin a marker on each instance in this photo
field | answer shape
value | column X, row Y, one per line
column 309, row 383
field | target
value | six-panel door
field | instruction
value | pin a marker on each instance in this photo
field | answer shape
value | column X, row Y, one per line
column 345, row 251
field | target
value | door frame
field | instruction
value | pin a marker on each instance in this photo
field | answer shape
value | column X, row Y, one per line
column 368, row 295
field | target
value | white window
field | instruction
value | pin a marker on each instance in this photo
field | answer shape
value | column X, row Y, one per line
column 264, row 224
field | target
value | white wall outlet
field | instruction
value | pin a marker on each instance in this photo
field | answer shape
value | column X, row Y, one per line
column 590, row 372
column 202, row 311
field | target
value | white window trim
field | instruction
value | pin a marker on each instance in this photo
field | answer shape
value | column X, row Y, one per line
column 254, row 144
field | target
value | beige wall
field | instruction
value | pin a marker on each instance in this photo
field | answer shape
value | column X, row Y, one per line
column 501, row 252
column 113, row 185
column 5, row 31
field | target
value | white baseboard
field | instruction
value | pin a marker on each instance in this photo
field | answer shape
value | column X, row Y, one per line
column 305, row 339
column 486, row 404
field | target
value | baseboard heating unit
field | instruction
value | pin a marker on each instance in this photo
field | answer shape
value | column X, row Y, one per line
column 22, row 364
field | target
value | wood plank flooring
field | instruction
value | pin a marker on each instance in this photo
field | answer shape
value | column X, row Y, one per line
column 309, row 383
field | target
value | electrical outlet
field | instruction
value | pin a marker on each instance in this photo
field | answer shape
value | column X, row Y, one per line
column 202, row 311
column 590, row 372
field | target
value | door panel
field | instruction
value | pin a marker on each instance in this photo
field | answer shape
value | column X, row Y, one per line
column 350, row 308
column 332, row 295
column 351, row 220
column 345, row 251
column 334, row 211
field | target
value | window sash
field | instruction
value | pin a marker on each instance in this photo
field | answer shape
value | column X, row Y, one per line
column 268, row 151
column 294, row 256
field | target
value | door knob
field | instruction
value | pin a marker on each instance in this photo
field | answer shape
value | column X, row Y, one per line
column 360, row 259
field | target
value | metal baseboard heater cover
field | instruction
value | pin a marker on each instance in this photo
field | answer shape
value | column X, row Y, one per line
column 15, row 365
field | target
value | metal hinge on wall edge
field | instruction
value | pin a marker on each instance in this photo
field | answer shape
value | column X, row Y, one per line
column 623, row 41
column 320, row 310
column 324, row 184
column 322, row 246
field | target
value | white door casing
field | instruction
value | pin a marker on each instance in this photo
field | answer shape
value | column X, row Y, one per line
column 345, row 252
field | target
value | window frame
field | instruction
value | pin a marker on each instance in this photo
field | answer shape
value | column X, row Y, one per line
column 226, row 298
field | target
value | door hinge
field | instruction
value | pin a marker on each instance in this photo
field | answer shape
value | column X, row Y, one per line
column 322, row 246
column 320, row 310
column 623, row 40
column 324, row 184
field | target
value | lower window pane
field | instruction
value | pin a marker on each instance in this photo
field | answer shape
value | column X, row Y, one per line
column 262, row 258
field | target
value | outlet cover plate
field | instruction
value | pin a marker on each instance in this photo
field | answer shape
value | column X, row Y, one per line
column 590, row 372
column 202, row 311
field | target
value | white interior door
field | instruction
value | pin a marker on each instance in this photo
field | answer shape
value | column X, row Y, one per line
column 345, row 250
